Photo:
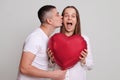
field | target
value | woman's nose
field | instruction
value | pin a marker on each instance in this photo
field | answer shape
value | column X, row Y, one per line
column 69, row 17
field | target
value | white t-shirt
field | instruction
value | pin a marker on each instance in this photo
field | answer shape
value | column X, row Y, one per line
column 78, row 71
column 36, row 43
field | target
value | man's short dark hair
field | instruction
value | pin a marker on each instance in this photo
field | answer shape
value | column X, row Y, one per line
column 43, row 11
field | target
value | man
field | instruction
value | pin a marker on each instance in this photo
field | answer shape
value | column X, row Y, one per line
column 34, row 60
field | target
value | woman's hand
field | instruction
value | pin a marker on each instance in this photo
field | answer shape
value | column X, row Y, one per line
column 83, row 56
column 50, row 55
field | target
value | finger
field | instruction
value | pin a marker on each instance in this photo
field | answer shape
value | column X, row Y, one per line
column 86, row 50
column 81, row 58
column 52, row 58
column 49, row 55
column 84, row 54
column 48, row 49
column 49, row 52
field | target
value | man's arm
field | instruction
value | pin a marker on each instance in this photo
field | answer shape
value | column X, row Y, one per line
column 27, row 68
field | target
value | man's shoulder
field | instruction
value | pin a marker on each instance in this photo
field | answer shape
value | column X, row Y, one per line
column 34, row 35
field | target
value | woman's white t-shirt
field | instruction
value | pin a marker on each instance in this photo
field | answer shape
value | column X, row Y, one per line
column 78, row 71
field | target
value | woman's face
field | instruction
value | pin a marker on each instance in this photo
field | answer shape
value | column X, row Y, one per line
column 69, row 20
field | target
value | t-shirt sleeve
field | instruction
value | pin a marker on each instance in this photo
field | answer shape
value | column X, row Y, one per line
column 89, row 59
column 31, row 45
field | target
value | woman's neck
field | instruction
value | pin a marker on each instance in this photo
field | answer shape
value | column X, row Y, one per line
column 68, row 33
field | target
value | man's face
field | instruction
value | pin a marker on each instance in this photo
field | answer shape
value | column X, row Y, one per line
column 56, row 19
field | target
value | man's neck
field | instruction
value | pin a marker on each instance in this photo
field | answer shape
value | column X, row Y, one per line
column 47, row 29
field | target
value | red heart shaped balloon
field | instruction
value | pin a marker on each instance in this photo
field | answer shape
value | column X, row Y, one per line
column 66, row 50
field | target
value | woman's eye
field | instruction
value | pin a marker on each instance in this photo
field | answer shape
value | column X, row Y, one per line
column 65, row 15
column 73, row 16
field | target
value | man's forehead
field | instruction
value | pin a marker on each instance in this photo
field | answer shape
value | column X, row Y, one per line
column 54, row 10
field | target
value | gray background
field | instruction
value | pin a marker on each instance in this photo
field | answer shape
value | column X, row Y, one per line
column 99, row 20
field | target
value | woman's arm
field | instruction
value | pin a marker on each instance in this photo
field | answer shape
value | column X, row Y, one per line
column 88, row 58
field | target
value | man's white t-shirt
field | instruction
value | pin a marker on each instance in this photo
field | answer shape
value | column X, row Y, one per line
column 36, row 43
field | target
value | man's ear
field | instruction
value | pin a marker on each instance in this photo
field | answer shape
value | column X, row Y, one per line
column 49, row 21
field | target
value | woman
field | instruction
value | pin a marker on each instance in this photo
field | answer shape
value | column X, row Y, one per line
column 71, row 26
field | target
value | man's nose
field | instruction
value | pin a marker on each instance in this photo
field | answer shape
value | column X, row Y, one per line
column 61, row 16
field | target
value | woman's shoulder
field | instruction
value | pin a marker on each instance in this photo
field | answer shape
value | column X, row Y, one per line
column 85, row 37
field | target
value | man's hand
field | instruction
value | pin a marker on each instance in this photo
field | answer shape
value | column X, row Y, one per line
column 59, row 74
